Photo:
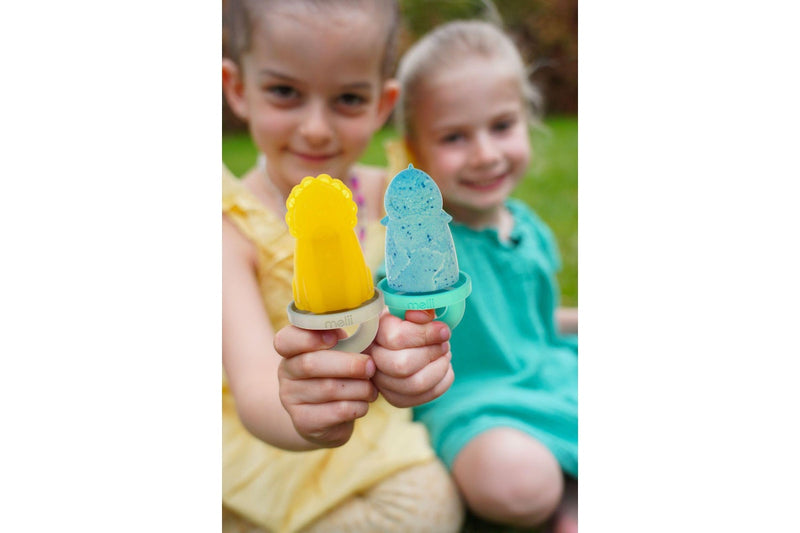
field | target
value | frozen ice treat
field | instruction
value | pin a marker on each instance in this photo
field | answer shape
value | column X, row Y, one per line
column 420, row 255
column 330, row 273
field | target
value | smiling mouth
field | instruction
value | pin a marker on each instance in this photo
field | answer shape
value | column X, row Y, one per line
column 485, row 184
column 314, row 158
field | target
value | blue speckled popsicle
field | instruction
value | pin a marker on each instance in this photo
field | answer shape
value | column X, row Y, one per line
column 420, row 255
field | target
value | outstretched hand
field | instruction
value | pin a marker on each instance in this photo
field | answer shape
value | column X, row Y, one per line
column 412, row 357
column 323, row 390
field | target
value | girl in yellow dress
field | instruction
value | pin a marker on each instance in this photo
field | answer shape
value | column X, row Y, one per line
column 316, row 439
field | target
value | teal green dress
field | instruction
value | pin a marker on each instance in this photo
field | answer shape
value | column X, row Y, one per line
column 512, row 368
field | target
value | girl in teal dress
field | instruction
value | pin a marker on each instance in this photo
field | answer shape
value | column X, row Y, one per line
column 508, row 426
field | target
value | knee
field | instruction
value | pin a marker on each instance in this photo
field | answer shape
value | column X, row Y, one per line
column 517, row 501
column 515, row 485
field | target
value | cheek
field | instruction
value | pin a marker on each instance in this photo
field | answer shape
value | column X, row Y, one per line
column 518, row 150
column 447, row 166
column 523, row 156
column 268, row 129
column 439, row 162
column 356, row 134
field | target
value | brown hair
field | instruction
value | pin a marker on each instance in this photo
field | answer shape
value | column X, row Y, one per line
column 239, row 17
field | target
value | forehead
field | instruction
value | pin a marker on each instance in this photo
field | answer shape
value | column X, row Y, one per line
column 320, row 43
column 472, row 89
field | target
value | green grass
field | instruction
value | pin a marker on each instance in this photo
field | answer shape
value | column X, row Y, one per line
column 550, row 187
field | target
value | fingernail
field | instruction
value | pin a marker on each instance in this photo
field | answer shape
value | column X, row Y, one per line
column 444, row 333
column 370, row 368
column 329, row 338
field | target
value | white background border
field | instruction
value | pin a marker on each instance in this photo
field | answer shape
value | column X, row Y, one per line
column 110, row 282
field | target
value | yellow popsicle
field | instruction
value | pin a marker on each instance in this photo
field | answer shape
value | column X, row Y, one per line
column 330, row 273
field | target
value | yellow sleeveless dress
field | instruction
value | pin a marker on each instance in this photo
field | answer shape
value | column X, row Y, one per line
column 286, row 491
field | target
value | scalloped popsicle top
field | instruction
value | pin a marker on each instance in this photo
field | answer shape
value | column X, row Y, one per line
column 327, row 206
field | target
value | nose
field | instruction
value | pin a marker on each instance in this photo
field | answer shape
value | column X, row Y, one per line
column 316, row 128
column 485, row 152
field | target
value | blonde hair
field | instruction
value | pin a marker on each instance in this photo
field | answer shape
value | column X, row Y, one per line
column 447, row 46
column 239, row 19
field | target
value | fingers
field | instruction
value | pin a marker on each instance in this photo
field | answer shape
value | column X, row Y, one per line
column 422, row 316
column 328, row 435
column 330, row 414
column 326, row 390
column 328, row 364
column 396, row 334
column 399, row 399
column 422, row 374
column 405, row 363
column 412, row 357
column 291, row 340
column 327, row 424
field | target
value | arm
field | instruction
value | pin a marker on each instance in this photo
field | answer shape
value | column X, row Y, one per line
column 249, row 360
column 261, row 383
column 567, row 320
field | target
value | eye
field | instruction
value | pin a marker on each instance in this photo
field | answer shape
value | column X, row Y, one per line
column 352, row 100
column 503, row 125
column 283, row 92
column 351, row 103
column 452, row 138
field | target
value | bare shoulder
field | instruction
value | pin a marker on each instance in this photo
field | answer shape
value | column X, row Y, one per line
column 250, row 181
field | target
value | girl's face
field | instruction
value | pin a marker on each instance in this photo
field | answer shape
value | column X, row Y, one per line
column 469, row 132
column 312, row 91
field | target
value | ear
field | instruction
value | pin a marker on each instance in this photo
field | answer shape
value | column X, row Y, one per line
column 388, row 98
column 233, row 88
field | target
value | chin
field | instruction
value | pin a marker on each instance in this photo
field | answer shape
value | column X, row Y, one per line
column 487, row 201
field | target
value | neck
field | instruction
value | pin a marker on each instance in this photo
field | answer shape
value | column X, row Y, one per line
column 273, row 196
column 498, row 218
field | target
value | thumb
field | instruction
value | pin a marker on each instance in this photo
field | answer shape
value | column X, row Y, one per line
column 421, row 316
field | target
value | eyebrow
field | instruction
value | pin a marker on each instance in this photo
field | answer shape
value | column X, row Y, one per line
column 358, row 85
column 502, row 114
column 355, row 86
column 275, row 74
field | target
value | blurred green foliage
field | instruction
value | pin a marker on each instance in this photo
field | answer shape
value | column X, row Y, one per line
column 550, row 187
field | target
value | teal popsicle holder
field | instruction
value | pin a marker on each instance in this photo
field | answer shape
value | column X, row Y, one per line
column 421, row 263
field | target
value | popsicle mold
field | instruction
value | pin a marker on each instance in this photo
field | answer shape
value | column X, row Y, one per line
column 421, row 262
column 332, row 284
